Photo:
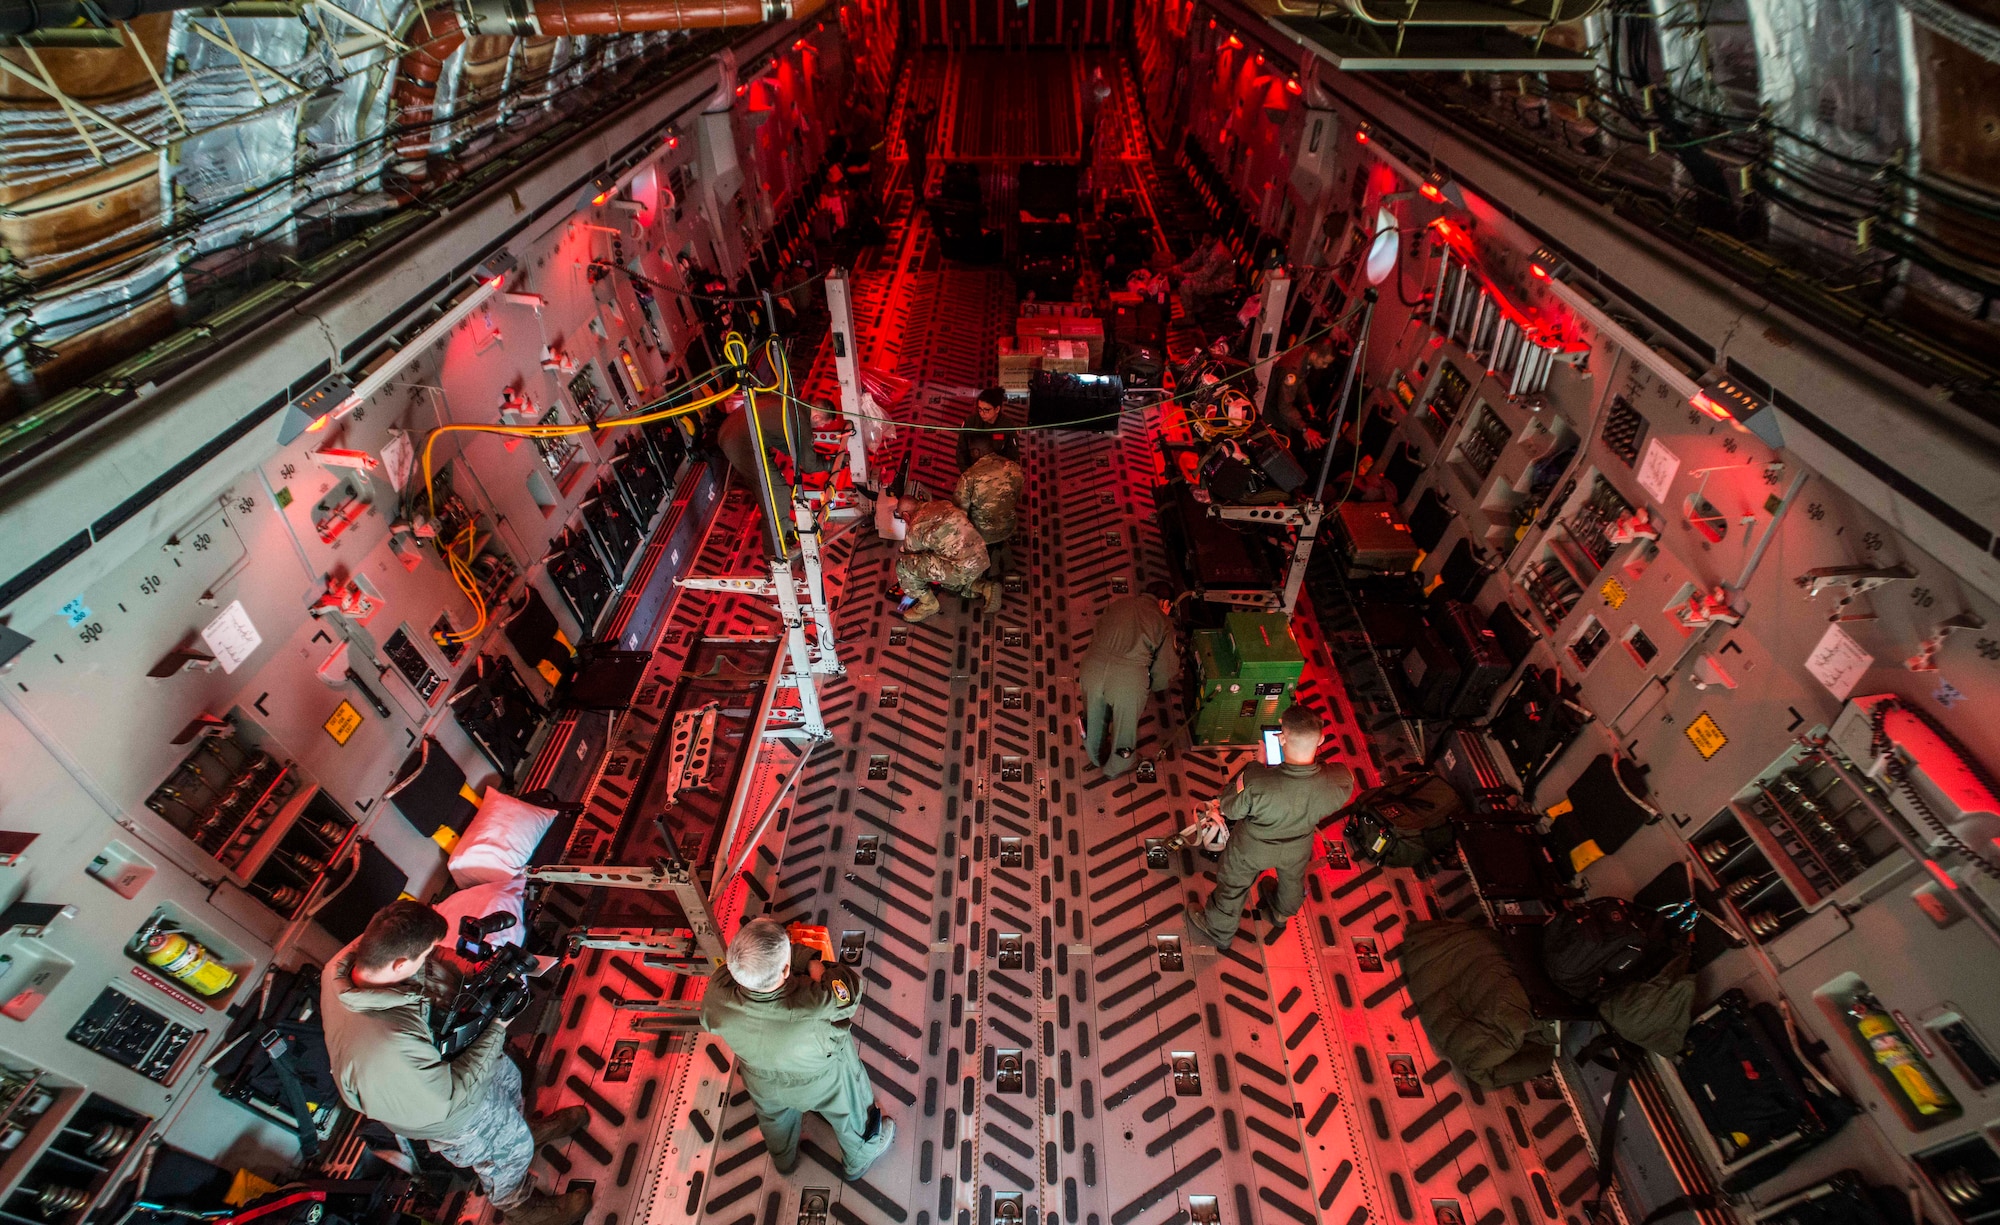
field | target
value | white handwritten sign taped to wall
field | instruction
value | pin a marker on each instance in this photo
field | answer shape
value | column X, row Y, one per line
column 1838, row 662
column 1657, row 469
column 231, row 636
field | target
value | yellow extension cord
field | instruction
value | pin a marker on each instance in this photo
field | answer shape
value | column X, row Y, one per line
column 734, row 348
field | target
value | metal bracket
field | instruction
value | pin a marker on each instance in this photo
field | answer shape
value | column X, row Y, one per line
column 1859, row 580
column 1305, row 516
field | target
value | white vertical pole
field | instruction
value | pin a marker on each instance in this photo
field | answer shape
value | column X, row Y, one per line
column 826, row 658
column 847, row 369
column 785, row 586
column 1270, row 323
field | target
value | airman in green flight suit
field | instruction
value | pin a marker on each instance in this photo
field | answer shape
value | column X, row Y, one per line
column 790, row 1035
column 1272, row 811
column 1132, row 650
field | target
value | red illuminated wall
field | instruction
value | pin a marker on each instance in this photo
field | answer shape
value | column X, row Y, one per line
column 1159, row 32
column 874, row 33
column 1242, row 108
column 1004, row 23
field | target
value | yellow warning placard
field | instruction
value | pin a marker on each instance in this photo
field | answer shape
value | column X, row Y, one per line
column 341, row 723
column 1613, row 592
column 1707, row 737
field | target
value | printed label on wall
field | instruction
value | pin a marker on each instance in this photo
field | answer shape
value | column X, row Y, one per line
column 1706, row 735
column 1838, row 662
column 341, row 723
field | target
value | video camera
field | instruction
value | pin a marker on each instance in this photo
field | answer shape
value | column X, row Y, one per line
column 495, row 990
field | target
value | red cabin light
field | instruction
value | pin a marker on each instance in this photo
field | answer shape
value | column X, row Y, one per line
column 1361, row 136
column 1293, row 86
column 1260, row 59
column 741, row 90
column 799, row 45
column 600, row 198
column 1233, row 43
column 673, row 142
column 1538, row 272
column 1211, row 23
column 319, row 423
column 1701, row 401
column 1431, row 192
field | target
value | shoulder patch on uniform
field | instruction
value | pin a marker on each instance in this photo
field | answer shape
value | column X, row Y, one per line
column 1241, row 779
column 841, row 994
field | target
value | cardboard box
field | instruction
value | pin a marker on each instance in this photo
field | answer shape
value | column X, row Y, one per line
column 1033, row 329
column 1017, row 363
column 1090, row 332
column 1066, row 356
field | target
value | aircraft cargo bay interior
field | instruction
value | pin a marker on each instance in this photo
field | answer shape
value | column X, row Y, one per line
column 999, row 612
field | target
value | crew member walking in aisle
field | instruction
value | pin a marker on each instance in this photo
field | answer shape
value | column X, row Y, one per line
column 941, row 546
column 376, row 1001
column 793, row 1046
column 987, row 492
column 977, row 437
column 1272, row 812
column 1132, row 650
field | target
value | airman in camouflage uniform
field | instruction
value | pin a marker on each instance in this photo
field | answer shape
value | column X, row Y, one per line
column 794, row 1047
column 941, row 546
column 987, row 492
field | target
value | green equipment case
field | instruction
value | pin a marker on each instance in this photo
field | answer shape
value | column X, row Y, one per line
column 1246, row 674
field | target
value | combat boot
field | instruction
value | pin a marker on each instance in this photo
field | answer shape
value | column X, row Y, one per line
column 925, row 607
column 858, row 1163
column 562, row 1124
column 565, row 1209
column 992, row 592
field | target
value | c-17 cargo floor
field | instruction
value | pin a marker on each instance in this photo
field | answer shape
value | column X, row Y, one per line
column 1039, row 1047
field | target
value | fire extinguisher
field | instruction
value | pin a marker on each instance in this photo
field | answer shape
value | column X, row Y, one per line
column 184, row 959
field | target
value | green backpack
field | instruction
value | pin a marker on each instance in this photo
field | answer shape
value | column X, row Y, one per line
column 1405, row 823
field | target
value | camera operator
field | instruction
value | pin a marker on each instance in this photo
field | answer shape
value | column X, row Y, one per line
column 376, row 1000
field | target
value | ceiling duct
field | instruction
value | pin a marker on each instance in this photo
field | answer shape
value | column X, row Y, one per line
column 444, row 28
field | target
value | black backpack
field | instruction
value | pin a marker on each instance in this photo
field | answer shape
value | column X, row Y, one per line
column 276, row 1062
column 1405, row 823
column 1600, row 945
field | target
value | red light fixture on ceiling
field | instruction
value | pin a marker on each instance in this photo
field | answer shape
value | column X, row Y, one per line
column 1432, row 193
column 1233, row 43
column 1538, row 272
column 1293, row 86
column 799, row 45
column 1211, row 23
column 1260, row 59
column 1361, row 135
column 741, row 90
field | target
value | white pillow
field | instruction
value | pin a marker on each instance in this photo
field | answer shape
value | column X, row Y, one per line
column 482, row 900
column 497, row 844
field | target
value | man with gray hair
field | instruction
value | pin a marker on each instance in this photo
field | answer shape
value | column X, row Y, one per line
column 790, row 1035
